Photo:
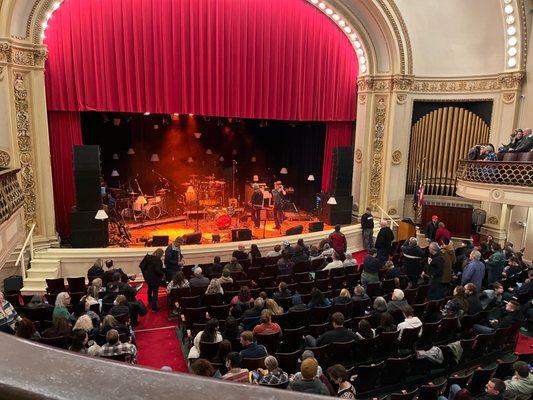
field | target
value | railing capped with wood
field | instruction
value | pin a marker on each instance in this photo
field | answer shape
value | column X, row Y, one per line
column 11, row 196
column 514, row 173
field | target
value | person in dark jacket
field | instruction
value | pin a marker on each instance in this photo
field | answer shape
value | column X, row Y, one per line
column 152, row 270
column 299, row 254
column 526, row 144
column 434, row 272
column 371, row 266
column 173, row 258
column 384, row 240
column 412, row 260
column 512, row 314
column 431, row 228
column 251, row 349
column 338, row 334
column 367, row 226
column 474, row 304
column 96, row 271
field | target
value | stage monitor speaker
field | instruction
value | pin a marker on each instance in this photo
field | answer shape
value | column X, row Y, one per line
column 160, row 240
column 316, row 226
column 238, row 235
column 295, row 230
column 342, row 171
column 192, row 238
column 340, row 213
column 87, row 177
column 88, row 231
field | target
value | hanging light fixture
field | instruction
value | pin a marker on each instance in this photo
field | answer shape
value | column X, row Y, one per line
column 221, row 159
column 283, row 171
column 156, row 126
column 256, row 178
column 197, row 135
column 190, row 160
column 311, row 178
column 101, row 215
column 155, row 157
column 131, row 151
column 115, row 156
column 208, row 151
column 253, row 159
column 332, row 201
column 116, row 121
column 115, row 173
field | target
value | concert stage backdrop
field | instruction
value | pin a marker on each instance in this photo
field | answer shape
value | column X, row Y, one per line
column 272, row 60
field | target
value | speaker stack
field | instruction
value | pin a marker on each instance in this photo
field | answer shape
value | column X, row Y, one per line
column 341, row 184
column 86, row 230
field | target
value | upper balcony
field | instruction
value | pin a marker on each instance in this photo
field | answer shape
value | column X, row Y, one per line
column 505, row 182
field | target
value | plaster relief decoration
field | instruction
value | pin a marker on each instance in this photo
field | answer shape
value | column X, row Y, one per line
column 358, row 156
column 362, row 98
column 496, row 194
column 22, row 55
column 508, row 98
column 392, row 211
column 5, row 159
column 396, row 157
column 506, row 81
column 25, row 149
column 401, row 98
column 376, row 167
column 492, row 220
column 5, row 52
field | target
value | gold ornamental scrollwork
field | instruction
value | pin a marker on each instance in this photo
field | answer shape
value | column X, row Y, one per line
column 376, row 167
column 392, row 211
column 5, row 158
column 396, row 157
column 362, row 98
column 25, row 149
column 358, row 156
column 508, row 98
column 401, row 98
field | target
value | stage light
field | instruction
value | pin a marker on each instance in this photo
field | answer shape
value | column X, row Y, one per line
column 335, row 17
column 512, row 51
column 131, row 151
column 512, row 41
column 347, row 29
column 115, row 173
column 311, row 178
column 197, row 135
column 234, row 152
column 221, row 159
column 329, row 11
column 116, row 121
column 156, row 126
column 362, row 60
column 115, row 156
column 101, row 215
column 283, row 171
column 510, row 19
column 342, row 23
column 208, row 151
column 331, row 201
column 255, row 178
column 322, row 5
column 190, row 160
column 253, row 159
column 146, row 113
column 508, row 9
column 154, row 158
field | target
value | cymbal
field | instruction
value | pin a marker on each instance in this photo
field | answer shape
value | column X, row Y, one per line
column 222, row 182
column 133, row 193
column 186, row 184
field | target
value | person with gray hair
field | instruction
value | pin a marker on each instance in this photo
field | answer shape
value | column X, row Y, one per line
column 412, row 260
column 434, row 272
column 384, row 240
column 60, row 309
column 474, row 272
column 198, row 279
column 305, row 355
column 273, row 375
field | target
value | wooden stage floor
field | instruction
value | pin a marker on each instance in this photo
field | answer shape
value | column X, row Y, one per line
column 141, row 233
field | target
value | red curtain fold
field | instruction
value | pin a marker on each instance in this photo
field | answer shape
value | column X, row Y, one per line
column 65, row 131
column 338, row 134
column 276, row 59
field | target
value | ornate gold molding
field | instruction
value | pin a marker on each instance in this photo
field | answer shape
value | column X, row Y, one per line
column 362, row 98
column 508, row 98
column 401, row 98
column 376, row 167
column 396, row 157
column 25, row 148
column 11, row 53
column 506, row 81
column 392, row 211
column 5, row 158
column 358, row 156
column 492, row 220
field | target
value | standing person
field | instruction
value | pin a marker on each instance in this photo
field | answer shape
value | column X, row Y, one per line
column 495, row 264
column 475, row 270
column 412, row 260
column 434, row 272
column 338, row 240
column 442, row 233
column 173, row 258
column 431, row 228
column 371, row 266
column 152, row 270
column 384, row 240
column 448, row 254
column 367, row 225
column 257, row 204
column 278, row 194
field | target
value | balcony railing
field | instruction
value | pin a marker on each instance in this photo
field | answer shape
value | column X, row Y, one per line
column 11, row 196
column 515, row 173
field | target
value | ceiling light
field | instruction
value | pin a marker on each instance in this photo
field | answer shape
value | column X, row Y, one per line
column 314, row 1
column 510, row 19
column 362, row 60
column 511, row 30
column 508, row 9
column 114, row 173
column 347, row 29
column 332, row 201
column 154, row 158
column 311, row 178
column 512, row 62
column 512, row 51
column 101, row 215
column 131, row 151
column 357, row 44
column 360, row 52
column 283, row 171
column 329, row 11
column 512, row 41
column 335, row 17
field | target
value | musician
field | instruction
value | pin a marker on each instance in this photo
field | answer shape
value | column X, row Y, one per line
column 278, row 194
column 257, row 205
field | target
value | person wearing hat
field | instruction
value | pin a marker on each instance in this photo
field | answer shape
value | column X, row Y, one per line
column 198, row 279
column 431, row 228
column 309, row 383
column 297, row 304
column 257, row 204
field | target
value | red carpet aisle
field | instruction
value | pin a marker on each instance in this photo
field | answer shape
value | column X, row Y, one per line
column 156, row 337
column 524, row 345
column 359, row 256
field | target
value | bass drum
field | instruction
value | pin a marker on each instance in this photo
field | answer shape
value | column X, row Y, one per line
column 153, row 211
column 223, row 222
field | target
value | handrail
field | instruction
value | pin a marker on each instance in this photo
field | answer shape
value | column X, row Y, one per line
column 384, row 212
column 20, row 258
column 515, row 173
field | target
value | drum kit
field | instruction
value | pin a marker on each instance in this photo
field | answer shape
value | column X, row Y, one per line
column 208, row 192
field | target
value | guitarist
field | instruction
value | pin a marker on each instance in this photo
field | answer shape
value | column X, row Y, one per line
column 278, row 195
column 257, row 205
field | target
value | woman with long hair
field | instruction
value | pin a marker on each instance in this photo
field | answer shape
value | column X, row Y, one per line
column 79, row 341
column 25, row 329
column 109, row 322
column 339, row 376
column 364, row 330
column 318, row 299
column 273, row 307
column 231, row 330
column 210, row 334
column 178, row 282
column 214, row 287
column 458, row 305
column 60, row 327
column 343, row 297
column 254, row 252
column 386, row 323
column 224, row 348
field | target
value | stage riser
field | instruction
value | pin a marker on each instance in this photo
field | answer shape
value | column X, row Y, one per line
column 76, row 262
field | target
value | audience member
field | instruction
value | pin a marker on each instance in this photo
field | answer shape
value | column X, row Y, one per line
column 235, row 372
column 203, row 367
column 412, row 260
column 442, row 233
column 233, row 266
column 512, row 315
column 216, row 267
column 337, row 240
column 299, row 255
column 79, row 341
column 9, row 316
column 282, row 292
column 274, row 253
column 224, row 348
column 327, row 250
column 434, row 272
column 266, row 326
column 386, row 324
column 255, row 311
column 304, row 247
column 308, row 382
column 240, row 253
column 251, row 349
column 273, row 307
column 364, row 330
column 96, row 271
column 343, row 297
column 371, row 266
column 297, row 304
column 512, row 268
column 231, row 328
column 25, row 329
column 318, row 299
column 60, row 328
column 448, row 255
column 384, row 240
column 457, row 306
column 214, row 287
column 152, row 269
column 339, row 376
column 314, row 253
column 474, row 272
column 379, row 306
column 335, row 263
column 410, row 322
column 367, row 227
column 173, row 258
column 109, row 322
column 285, row 264
column 474, row 304
column 359, row 293
column 520, row 386
column 121, row 307
column 226, row 277
column 338, row 334
column 85, row 323
column 431, row 228
column 349, row 261
column 526, row 144
column 178, row 282
column 391, row 272
column 273, row 375
column 307, row 354
column 60, row 309
column 492, row 298
column 397, row 302
column 198, row 280
column 210, row 334
column 254, row 252
column 495, row 264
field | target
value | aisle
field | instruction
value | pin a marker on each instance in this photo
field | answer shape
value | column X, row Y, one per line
column 157, row 342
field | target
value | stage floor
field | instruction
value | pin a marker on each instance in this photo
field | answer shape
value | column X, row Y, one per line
column 140, row 233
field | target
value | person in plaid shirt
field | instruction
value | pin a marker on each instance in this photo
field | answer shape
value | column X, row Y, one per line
column 8, row 316
column 273, row 375
column 115, row 347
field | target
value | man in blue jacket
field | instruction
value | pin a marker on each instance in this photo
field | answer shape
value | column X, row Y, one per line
column 474, row 272
column 173, row 258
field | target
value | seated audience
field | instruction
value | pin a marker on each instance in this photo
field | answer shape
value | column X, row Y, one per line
column 214, row 287
column 307, row 354
column 233, row 266
column 210, row 334
column 123, row 287
column 371, row 267
column 203, row 367
column 526, row 288
column 526, row 144
column 364, row 330
column 314, row 253
column 226, row 277
column 85, row 323
column 224, row 348
column 308, row 382
column 178, row 282
column 112, row 293
column 96, row 271
column 304, row 247
column 285, row 264
column 235, row 372
column 338, row 334
column 198, row 279
column 273, row 375
column 512, row 315
column 9, row 316
column 251, row 349
column 397, row 302
column 336, row 263
column 520, row 386
column 274, row 253
column 266, row 326
column 299, row 255
column 83, row 308
column 513, row 267
column 379, row 306
column 474, row 304
column 241, row 302
column 25, row 329
column 254, row 252
column 391, row 272
column 297, row 304
column 339, row 376
column 60, row 328
column 286, row 248
column 349, row 261
column 343, row 297
column 359, row 293
column 215, row 268
column 327, row 250
column 386, row 324
column 255, row 311
column 318, row 299
column 121, row 307
column 240, row 253
column 109, row 322
column 457, row 306
column 115, row 347
column 273, row 307
column 79, row 341
column 492, row 298
column 410, row 322
column 282, row 292
column 60, row 309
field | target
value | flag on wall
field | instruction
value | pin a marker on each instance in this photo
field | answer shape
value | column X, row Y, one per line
column 418, row 198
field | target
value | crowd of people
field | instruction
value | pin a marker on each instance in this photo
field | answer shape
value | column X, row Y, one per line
column 520, row 141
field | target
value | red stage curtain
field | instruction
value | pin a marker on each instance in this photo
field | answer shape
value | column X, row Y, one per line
column 65, row 131
column 275, row 59
column 338, row 134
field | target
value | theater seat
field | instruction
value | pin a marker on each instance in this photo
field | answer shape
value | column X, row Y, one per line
column 525, row 157
column 510, row 156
